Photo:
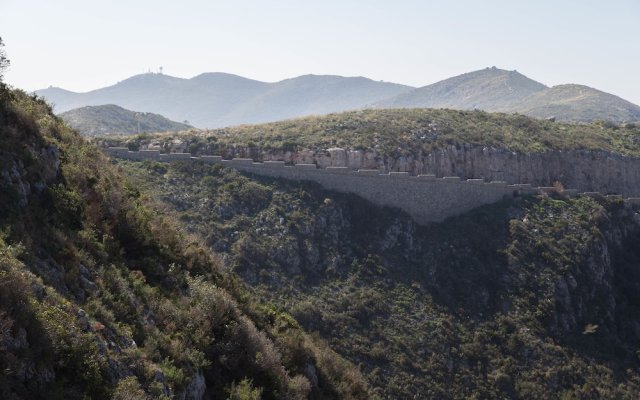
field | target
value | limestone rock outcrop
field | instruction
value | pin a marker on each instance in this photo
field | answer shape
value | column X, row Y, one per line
column 584, row 170
column 580, row 169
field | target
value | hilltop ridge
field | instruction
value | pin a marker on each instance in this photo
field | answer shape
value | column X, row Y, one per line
column 112, row 119
column 573, row 102
column 220, row 99
column 468, row 144
column 494, row 89
column 490, row 89
column 216, row 99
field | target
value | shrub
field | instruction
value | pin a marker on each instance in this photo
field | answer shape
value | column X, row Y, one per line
column 244, row 390
column 129, row 389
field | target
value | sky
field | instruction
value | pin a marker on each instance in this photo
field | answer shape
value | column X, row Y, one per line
column 82, row 45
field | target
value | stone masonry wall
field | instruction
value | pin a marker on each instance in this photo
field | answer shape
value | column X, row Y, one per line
column 584, row 170
column 424, row 197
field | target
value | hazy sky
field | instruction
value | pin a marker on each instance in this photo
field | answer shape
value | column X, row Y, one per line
column 83, row 44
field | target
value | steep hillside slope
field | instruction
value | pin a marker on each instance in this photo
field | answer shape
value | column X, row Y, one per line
column 533, row 298
column 578, row 103
column 489, row 89
column 112, row 119
column 102, row 297
column 217, row 99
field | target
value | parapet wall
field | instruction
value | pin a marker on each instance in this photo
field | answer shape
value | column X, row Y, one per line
column 424, row 197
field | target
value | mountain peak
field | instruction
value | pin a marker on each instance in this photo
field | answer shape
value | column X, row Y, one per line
column 207, row 76
column 149, row 79
column 488, row 89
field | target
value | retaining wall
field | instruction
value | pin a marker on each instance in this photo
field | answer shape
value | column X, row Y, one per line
column 424, row 197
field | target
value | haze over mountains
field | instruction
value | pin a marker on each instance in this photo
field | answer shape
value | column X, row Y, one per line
column 213, row 100
column 218, row 99
column 494, row 89
column 489, row 89
column 578, row 103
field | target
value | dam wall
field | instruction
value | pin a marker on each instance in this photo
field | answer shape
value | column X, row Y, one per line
column 425, row 198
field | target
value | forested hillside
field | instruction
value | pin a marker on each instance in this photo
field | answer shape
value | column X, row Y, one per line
column 102, row 296
column 133, row 280
column 530, row 298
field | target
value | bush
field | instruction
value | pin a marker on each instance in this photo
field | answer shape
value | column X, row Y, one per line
column 129, row 389
column 244, row 390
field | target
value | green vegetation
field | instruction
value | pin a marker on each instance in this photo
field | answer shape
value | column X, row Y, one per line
column 410, row 131
column 531, row 298
column 111, row 119
column 103, row 297
column 109, row 287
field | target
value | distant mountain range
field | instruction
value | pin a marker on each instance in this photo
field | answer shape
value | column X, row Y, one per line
column 112, row 119
column 494, row 89
column 218, row 99
column 213, row 100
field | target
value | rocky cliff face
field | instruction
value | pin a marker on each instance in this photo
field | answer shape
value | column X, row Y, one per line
column 21, row 181
column 606, row 172
column 596, row 296
column 582, row 170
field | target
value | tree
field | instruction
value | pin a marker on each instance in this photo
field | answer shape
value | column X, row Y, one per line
column 4, row 61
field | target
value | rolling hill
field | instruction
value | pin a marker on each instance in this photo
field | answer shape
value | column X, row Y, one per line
column 515, row 148
column 112, row 119
column 214, row 100
column 494, row 89
column 578, row 103
column 218, row 99
column 489, row 89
